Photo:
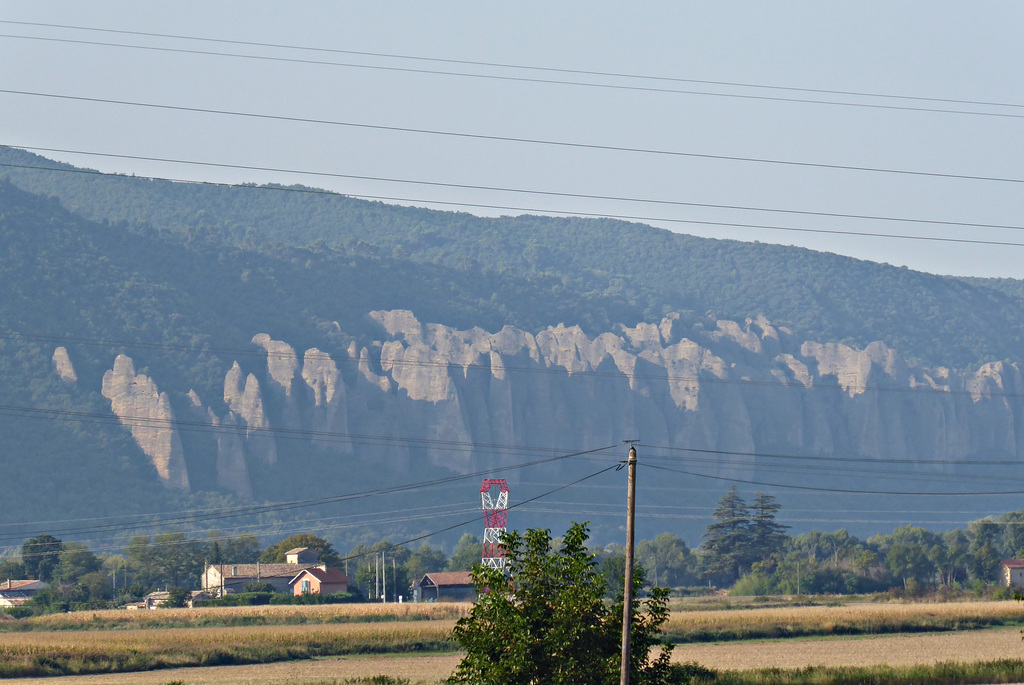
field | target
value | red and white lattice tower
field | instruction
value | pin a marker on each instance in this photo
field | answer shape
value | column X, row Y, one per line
column 495, row 520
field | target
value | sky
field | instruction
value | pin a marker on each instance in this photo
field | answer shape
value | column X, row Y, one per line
column 681, row 86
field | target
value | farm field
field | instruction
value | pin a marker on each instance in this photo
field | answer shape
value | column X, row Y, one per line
column 861, row 618
column 893, row 650
column 288, row 638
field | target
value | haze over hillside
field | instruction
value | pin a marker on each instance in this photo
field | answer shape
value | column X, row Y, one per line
column 169, row 345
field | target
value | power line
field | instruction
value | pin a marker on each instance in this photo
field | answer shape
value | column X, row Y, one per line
column 849, row 472
column 297, row 433
column 461, row 524
column 477, row 519
column 524, row 191
column 506, row 139
column 601, row 215
column 598, row 215
column 768, row 455
column 836, row 490
column 544, row 81
column 281, row 506
column 581, row 72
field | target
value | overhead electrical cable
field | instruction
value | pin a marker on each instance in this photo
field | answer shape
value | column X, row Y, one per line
column 523, row 191
column 502, row 65
column 522, row 79
column 846, row 472
column 281, row 506
column 769, row 455
column 515, row 505
column 475, row 519
column 505, row 139
column 320, row 525
column 791, row 486
column 298, row 433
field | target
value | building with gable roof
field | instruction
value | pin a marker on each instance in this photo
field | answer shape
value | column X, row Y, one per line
column 450, row 586
column 1012, row 572
column 14, row 593
column 319, row 580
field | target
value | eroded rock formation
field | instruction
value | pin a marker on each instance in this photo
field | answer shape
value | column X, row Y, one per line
column 147, row 413
column 736, row 387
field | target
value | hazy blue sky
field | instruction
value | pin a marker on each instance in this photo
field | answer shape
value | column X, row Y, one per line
column 924, row 49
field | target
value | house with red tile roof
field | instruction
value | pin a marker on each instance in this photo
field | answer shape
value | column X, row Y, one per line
column 1012, row 571
column 319, row 580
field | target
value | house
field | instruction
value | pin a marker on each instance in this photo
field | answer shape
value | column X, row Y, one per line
column 223, row 579
column 157, row 599
column 231, row 578
column 1012, row 572
column 319, row 580
column 450, row 586
column 302, row 555
column 14, row 593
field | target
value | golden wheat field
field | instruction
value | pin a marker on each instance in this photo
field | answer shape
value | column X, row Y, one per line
column 885, row 616
column 323, row 613
column 276, row 643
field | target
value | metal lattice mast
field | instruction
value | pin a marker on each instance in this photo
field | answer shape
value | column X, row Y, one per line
column 495, row 520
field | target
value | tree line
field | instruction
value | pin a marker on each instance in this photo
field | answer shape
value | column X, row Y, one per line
column 745, row 549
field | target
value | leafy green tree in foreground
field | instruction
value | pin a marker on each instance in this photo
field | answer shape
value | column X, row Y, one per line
column 542, row 620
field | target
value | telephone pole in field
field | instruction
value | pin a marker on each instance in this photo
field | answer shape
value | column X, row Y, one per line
column 627, row 591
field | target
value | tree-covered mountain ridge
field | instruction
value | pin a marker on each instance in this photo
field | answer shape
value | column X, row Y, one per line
column 637, row 272
column 480, row 343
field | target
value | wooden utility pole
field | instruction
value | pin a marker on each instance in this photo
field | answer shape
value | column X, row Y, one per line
column 627, row 591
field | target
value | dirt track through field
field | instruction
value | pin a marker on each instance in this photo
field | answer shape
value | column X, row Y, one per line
column 895, row 650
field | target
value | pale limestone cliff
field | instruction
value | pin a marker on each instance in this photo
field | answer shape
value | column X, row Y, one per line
column 146, row 412
column 232, row 470
column 246, row 402
column 424, row 397
column 328, row 412
column 228, row 436
column 282, row 370
column 62, row 365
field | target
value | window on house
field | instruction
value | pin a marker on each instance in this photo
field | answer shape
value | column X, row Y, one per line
column 305, row 587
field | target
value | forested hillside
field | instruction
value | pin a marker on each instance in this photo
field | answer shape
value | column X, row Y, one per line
column 624, row 272
column 377, row 343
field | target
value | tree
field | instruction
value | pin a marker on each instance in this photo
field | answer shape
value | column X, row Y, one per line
column 984, row 548
column 425, row 560
column 40, row 555
column 177, row 597
column 172, row 558
column 275, row 554
column 767, row 536
column 668, row 559
column 244, row 549
column 466, row 553
column 12, row 569
column 543, row 620
column 74, row 562
column 727, row 541
column 395, row 580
